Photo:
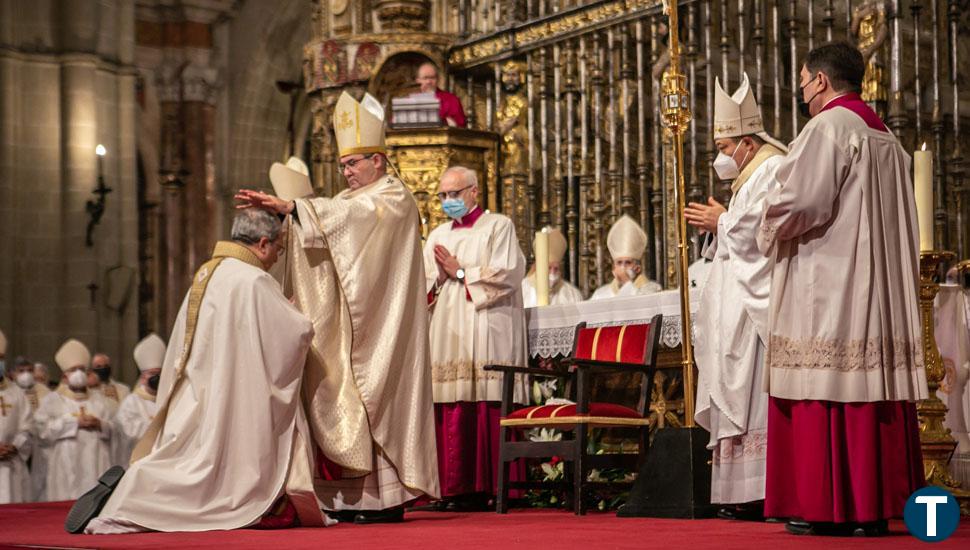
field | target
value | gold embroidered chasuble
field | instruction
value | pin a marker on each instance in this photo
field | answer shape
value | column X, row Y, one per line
column 355, row 269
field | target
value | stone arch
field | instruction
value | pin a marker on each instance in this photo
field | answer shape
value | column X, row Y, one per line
column 266, row 42
column 395, row 75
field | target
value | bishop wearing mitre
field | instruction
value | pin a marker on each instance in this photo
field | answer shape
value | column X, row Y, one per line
column 139, row 408
column 731, row 331
column 75, row 423
column 627, row 242
column 355, row 268
column 561, row 291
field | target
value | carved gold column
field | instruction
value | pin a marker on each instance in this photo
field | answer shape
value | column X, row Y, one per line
column 511, row 123
column 936, row 440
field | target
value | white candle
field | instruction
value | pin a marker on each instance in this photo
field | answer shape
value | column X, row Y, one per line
column 542, row 268
column 923, row 184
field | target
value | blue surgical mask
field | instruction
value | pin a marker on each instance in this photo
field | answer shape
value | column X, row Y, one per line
column 454, row 208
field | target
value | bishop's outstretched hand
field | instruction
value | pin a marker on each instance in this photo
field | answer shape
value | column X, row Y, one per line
column 257, row 199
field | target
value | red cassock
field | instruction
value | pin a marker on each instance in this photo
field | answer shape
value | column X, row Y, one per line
column 450, row 108
column 842, row 462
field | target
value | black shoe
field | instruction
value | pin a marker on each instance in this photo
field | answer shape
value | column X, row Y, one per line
column 469, row 503
column 871, row 529
column 435, row 506
column 392, row 515
column 342, row 516
column 823, row 529
column 749, row 511
column 799, row 527
column 90, row 504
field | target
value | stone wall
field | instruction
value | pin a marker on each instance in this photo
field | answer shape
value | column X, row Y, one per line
column 67, row 83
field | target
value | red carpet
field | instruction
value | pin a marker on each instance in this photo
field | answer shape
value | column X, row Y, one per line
column 42, row 526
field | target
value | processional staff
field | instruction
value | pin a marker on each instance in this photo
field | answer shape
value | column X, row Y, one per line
column 676, row 115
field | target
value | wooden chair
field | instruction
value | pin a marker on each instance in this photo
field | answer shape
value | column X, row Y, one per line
column 596, row 351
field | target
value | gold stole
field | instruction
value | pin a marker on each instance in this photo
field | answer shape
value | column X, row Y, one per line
column 638, row 283
column 140, row 391
column 298, row 485
column 224, row 249
column 766, row 151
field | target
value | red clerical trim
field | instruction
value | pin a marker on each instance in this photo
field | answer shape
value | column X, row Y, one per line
column 855, row 104
column 468, row 219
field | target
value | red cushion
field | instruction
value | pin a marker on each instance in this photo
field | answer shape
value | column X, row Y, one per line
column 559, row 411
column 622, row 344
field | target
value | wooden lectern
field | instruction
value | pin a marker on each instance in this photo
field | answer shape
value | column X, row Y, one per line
column 421, row 155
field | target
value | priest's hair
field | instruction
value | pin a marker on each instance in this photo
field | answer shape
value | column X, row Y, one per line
column 252, row 224
column 467, row 175
column 842, row 62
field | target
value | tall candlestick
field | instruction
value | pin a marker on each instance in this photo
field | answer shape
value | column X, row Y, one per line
column 542, row 268
column 923, row 183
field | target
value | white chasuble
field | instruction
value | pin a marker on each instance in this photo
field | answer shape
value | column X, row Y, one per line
column 730, row 336
column 15, row 429
column 639, row 286
column 563, row 292
column 78, row 456
column 229, row 437
column 841, row 227
column 355, row 270
column 132, row 419
column 482, row 321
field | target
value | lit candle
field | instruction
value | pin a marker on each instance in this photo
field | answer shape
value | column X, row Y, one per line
column 100, row 151
column 923, row 183
column 542, row 268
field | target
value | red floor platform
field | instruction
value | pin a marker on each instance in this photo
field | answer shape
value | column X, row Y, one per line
column 42, row 526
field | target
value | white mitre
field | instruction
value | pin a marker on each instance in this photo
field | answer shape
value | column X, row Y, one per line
column 626, row 239
column 149, row 353
column 557, row 244
column 72, row 354
column 3, row 343
column 359, row 127
column 291, row 180
column 739, row 115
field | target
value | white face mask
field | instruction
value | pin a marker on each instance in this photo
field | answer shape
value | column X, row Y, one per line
column 631, row 274
column 77, row 380
column 725, row 166
column 553, row 279
column 25, row 380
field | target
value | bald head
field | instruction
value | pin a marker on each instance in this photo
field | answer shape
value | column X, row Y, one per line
column 427, row 77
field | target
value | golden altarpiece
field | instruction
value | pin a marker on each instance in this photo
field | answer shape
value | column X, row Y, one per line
column 571, row 92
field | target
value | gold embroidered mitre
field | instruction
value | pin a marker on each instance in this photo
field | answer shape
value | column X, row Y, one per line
column 738, row 115
column 626, row 239
column 359, row 127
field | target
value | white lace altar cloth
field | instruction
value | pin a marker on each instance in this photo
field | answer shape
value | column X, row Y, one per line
column 552, row 328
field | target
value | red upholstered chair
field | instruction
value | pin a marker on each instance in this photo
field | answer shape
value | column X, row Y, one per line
column 595, row 351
